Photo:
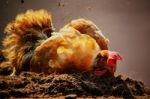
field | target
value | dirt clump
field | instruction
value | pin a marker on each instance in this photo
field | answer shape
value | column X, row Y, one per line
column 69, row 86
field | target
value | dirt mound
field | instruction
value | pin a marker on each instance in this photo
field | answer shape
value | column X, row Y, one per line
column 29, row 84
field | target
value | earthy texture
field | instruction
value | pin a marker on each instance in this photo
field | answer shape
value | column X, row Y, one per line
column 86, row 85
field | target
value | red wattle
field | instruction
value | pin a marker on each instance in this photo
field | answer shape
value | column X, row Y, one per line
column 100, row 72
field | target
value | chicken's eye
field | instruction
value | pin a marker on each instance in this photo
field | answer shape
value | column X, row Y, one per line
column 102, row 59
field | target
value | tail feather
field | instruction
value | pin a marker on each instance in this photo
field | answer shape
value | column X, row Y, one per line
column 25, row 33
column 38, row 20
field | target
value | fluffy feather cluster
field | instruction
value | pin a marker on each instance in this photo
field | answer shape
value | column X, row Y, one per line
column 65, row 51
column 24, row 34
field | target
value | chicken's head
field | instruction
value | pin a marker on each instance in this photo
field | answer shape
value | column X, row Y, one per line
column 106, row 62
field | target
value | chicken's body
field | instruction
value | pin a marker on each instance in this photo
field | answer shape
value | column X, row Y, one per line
column 65, row 51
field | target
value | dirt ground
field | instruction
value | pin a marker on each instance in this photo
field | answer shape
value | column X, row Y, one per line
column 69, row 86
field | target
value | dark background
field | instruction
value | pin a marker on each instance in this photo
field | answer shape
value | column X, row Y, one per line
column 125, row 22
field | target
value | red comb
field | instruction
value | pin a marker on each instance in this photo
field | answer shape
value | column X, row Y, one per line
column 114, row 55
column 112, row 59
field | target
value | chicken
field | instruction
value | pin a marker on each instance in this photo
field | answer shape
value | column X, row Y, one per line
column 31, row 45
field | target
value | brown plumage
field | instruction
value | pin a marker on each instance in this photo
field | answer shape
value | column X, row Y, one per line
column 31, row 45
column 88, row 27
column 65, row 51
column 24, row 34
